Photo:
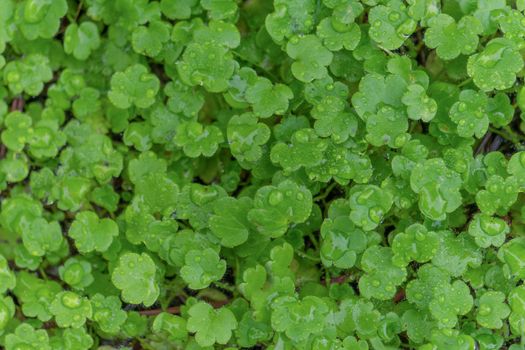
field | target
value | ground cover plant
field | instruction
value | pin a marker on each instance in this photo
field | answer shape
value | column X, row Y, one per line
column 286, row 174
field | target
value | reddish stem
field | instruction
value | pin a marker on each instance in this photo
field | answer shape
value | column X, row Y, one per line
column 400, row 295
column 338, row 279
column 17, row 104
column 176, row 309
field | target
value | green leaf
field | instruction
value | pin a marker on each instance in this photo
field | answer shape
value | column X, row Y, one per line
column 416, row 243
column 220, row 9
column 366, row 319
column 334, row 39
column 246, row 136
column 330, row 109
column 499, row 194
column 450, row 300
column 290, row 18
column 268, row 99
column 26, row 337
column 423, row 9
column 134, row 86
column 276, row 207
column 486, row 10
column 36, row 295
column 387, row 127
column 28, row 74
column 207, row 64
column 488, row 230
column 516, row 300
column 202, row 267
column 516, row 167
column 107, row 313
column 81, row 40
column 223, row 33
column 450, row 39
column 251, row 331
column 495, row 67
column 304, row 150
column 511, row 24
column 150, row 40
column 170, row 326
column 7, row 312
column 7, row 277
column 341, row 243
column 178, row 9
column 15, row 135
column 197, row 139
column 419, row 105
column 135, row 276
column 382, row 277
column 492, row 309
column 70, row 309
column 46, row 139
column 71, row 192
column 77, row 338
column 310, row 57
column 37, row 18
column 76, row 273
column 437, row 187
column 451, row 339
column 470, row 114
column 342, row 165
column 299, row 319
column 230, row 223
column 210, row 326
column 369, row 205
column 42, row 237
column 183, row 99
column 390, row 25
column 511, row 253
column 91, row 233
column 418, row 324
column 456, row 253
column 500, row 110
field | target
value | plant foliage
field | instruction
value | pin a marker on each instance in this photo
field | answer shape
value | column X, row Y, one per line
column 262, row 174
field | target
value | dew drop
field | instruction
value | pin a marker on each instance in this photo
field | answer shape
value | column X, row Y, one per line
column 522, row 159
column 485, row 310
column 302, row 136
column 491, row 226
column 275, row 197
column 71, row 300
column 376, row 214
column 420, row 236
column 394, row 16
column 400, row 140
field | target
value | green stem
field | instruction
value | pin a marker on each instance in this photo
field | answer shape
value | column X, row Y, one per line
column 326, row 192
column 390, row 53
column 225, row 286
column 510, row 135
column 79, row 8
column 514, row 134
column 314, row 241
column 464, row 82
column 307, row 256
column 43, row 273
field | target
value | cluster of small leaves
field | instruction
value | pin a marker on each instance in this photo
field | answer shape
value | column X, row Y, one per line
column 262, row 174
